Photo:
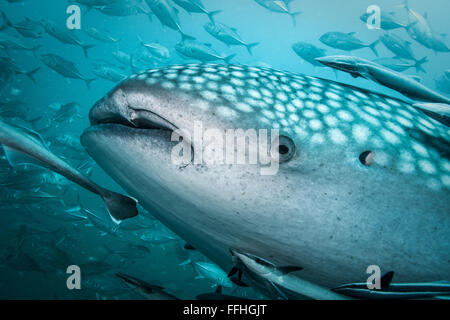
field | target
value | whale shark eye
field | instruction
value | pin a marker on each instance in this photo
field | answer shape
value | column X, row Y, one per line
column 285, row 149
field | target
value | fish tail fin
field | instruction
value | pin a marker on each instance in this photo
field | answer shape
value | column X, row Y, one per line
column 419, row 64
column 133, row 67
column 441, row 109
column 250, row 46
column 30, row 74
column 88, row 82
column 294, row 17
column 185, row 36
column 120, row 207
column 85, row 48
column 141, row 41
column 228, row 59
column 373, row 45
column 8, row 23
column 212, row 14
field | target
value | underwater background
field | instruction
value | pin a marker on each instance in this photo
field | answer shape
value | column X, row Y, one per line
column 48, row 223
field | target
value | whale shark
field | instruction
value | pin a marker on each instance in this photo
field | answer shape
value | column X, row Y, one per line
column 363, row 178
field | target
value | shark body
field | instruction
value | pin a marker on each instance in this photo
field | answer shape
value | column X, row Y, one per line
column 367, row 181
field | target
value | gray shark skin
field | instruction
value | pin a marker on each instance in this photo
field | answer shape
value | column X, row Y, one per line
column 406, row 85
column 324, row 210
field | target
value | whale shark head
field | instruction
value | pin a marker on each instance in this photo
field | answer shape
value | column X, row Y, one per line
column 347, row 162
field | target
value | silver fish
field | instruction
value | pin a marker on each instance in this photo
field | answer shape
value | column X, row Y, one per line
column 398, row 46
column 122, row 8
column 157, row 50
column 346, row 41
column 108, row 72
column 64, row 67
column 201, row 51
column 420, row 31
column 280, row 7
column 196, row 6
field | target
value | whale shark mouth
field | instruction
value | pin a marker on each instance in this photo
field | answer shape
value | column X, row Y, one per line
column 136, row 118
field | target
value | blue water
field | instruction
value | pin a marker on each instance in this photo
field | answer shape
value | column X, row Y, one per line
column 29, row 226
